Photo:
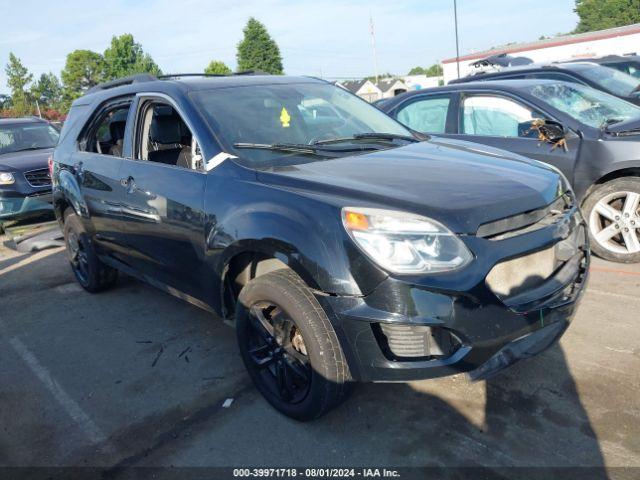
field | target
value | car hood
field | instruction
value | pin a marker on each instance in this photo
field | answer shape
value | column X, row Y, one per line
column 626, row 127
column 460, row 184
column 25, row 161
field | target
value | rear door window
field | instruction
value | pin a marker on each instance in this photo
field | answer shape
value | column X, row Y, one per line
column 428, row 114
column 105, row 134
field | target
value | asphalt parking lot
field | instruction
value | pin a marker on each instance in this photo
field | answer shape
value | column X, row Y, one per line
column 136, row 377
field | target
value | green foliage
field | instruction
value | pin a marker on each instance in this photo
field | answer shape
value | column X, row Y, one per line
column 258, row 51
column 434, row 70
column 83, row 70
column 417, row 71
column 48, row 91
column 217, row 67
column 601, row 14
column 125, row 57
column 18, row 77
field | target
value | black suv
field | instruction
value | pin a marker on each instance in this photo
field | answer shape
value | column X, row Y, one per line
column 345, row 249
column 25, row 185
column 609, row 80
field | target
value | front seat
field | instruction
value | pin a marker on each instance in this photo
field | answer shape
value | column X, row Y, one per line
column 117, row 136
column 165, row 135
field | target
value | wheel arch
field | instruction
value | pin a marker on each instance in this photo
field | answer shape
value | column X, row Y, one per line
column 253, row 261
column 633, row 171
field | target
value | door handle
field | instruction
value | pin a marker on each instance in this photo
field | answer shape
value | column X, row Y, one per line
column 129, row 183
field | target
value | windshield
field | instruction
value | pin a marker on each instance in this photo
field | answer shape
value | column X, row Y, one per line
column 610, row 79
column 27, row 136
column 293, row 114
column 586, row 104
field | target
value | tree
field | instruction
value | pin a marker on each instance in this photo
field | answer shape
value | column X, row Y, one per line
column 258, row 51
column 18, row 77
column 217, row 67
column 601, row 14
column 417, row 71
column 48, row 91
column 434, row 70
column 125, row 57
column 83, row 70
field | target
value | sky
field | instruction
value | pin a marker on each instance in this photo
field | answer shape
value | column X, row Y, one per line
column 328, row 38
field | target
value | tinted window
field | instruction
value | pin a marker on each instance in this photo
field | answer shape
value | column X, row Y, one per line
column 428, row 114
column 27, row 136
column 106, row 132
column 554, row 76
column 610, row 79
column 301, row 113
column 496, row 116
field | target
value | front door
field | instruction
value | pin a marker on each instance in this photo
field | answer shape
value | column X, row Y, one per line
column 163, row 200
column 503, row 122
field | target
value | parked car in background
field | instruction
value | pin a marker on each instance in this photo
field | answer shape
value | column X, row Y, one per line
column 345, row 249
column 629, row 64
column 607, row 79
column 602, row 135
column 25, row 184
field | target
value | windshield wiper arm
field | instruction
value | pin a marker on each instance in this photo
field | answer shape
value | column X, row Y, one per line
column 298, row 148
column 368, row 135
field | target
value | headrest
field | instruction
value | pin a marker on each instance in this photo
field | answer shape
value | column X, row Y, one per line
column 165, row 130
column 117, row 130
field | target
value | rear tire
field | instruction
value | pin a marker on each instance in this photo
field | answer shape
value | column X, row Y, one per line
column 297, row 343
column 613, row 213
column 93, row 275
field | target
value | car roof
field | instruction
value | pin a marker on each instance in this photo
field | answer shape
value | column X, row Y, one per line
column 510, row 85
column 21, row 120
column 185, row 83
column 534, row 67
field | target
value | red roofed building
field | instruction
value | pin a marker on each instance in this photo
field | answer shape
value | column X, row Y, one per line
column 613, row 41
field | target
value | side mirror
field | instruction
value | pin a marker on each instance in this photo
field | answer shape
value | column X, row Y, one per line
column 547, row 131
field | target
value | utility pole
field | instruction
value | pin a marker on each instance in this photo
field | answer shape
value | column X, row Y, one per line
column 373, row 45
column 455, row 19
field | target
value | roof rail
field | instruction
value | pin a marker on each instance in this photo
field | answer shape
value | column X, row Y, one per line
column 178, row 75
column 118, row 82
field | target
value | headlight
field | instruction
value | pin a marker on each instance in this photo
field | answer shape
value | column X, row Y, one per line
column 6, row 178
column 403, row 242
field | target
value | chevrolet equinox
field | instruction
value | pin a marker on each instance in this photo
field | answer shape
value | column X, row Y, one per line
column 345, row 247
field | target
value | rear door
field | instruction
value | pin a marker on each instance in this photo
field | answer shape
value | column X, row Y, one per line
column 164, row 197
column 502, row 121
column 96, row 166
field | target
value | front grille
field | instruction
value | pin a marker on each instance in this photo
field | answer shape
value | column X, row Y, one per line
column 417, row 341
column 522, row 273
column 528, row 221
column 38, row 178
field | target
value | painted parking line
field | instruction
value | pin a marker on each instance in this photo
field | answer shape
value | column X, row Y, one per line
column 613, row 270
column 88, row 427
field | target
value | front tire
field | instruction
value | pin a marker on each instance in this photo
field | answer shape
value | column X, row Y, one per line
column 93, row 275
column 613, row 212
column 289, row 346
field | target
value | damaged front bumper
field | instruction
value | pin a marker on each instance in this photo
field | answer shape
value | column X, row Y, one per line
column 409, row 329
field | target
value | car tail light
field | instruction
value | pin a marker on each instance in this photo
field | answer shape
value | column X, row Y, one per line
column 50, row 163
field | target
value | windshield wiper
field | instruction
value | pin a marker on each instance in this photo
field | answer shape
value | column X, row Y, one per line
column 611, row 121
column 30, row 148
column 368, row 136
column 313, row 149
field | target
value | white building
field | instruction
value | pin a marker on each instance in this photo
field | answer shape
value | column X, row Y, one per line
column 390, row 87
column 365, row 89
column 613, row 41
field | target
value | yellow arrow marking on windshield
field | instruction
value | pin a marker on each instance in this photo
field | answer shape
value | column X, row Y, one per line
column 285, row 118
